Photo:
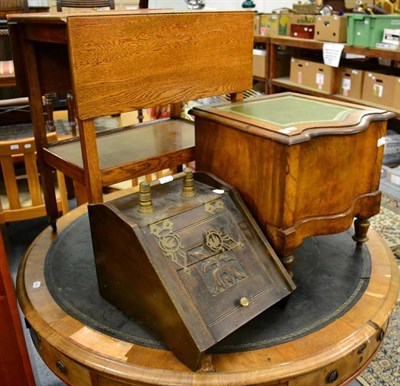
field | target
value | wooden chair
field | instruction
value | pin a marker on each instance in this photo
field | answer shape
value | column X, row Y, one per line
column 193, row 60
column 93, row 4
column 84, row 4
column 21, row 195
column 48, row 100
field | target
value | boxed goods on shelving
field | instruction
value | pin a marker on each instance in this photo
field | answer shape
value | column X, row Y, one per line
column 257, row 18
column 350, row 82
column 288, row 21
column 331, row 28
column 322, row 77
column 381, row 89
column 267, row 24
column 316, row 75
column 279, row 24
column 390, row 180
column 393, row 175
column 368, row 30
column 259, row 63
column 391, row 156
column 303, row 31
column 298, row 71
column 306, row 7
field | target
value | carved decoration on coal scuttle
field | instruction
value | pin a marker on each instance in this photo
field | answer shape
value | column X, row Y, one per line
column 223, row 270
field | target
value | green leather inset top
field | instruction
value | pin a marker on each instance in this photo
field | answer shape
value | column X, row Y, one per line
column 290, row 111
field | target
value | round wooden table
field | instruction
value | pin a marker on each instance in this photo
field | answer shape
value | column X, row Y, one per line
column 81, row 355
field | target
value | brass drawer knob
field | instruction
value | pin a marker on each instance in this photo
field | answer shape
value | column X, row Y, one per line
column 61, row 367
column 244, row 302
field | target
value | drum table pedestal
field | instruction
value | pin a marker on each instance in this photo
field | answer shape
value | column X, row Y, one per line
column 326, row 332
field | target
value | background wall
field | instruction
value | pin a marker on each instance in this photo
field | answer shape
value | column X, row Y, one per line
column 261, row 5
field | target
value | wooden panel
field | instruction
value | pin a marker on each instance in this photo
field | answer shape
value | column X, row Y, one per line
column 159, row 58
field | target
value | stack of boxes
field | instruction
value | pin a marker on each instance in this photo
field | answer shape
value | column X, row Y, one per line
column 356, row 81
column 317, row 75
column 273, row 25
column 371, row 31
column 313, row 75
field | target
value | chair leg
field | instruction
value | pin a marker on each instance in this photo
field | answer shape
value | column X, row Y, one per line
column 48, row 108
column 71, row 113
column 140, row 116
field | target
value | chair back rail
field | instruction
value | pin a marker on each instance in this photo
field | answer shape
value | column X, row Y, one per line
column 168, row 58
column 84, row 4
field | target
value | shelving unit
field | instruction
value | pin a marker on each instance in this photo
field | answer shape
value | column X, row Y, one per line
column 263, row 41
column 274, row 82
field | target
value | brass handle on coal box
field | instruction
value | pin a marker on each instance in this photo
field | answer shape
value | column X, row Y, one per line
column 244, row 302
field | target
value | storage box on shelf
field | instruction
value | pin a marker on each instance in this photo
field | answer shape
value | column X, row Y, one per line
column 315, row 75
column 381, row 89
column 331, row 28
column 368, row 30
column 350, row 82
column 260, row 63
column 391, row 156
column 304, row 31
column 266, row 24
column 306, row 48
column 390, row 180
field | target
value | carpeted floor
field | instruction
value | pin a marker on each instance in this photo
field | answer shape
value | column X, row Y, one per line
column 384, row 370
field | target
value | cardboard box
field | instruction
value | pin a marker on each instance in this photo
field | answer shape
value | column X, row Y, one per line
column 302, row 31
column 331, row 28
column 257, row 18
column 315, row 75
column 259, row 63
column 279, row 24
column 350, row 82
column 381, row 89
column 322, row 77
column 269, row 24
column 299, row 71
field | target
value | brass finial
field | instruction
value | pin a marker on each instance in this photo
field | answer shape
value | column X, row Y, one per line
column 188, row 190
column 145, row 204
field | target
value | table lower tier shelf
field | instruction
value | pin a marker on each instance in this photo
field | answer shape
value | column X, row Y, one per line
column 326, row 332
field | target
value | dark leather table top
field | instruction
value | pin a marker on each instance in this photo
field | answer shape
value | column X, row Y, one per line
column 330, row 274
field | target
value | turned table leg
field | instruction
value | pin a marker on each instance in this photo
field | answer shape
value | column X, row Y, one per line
column 361, row 227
